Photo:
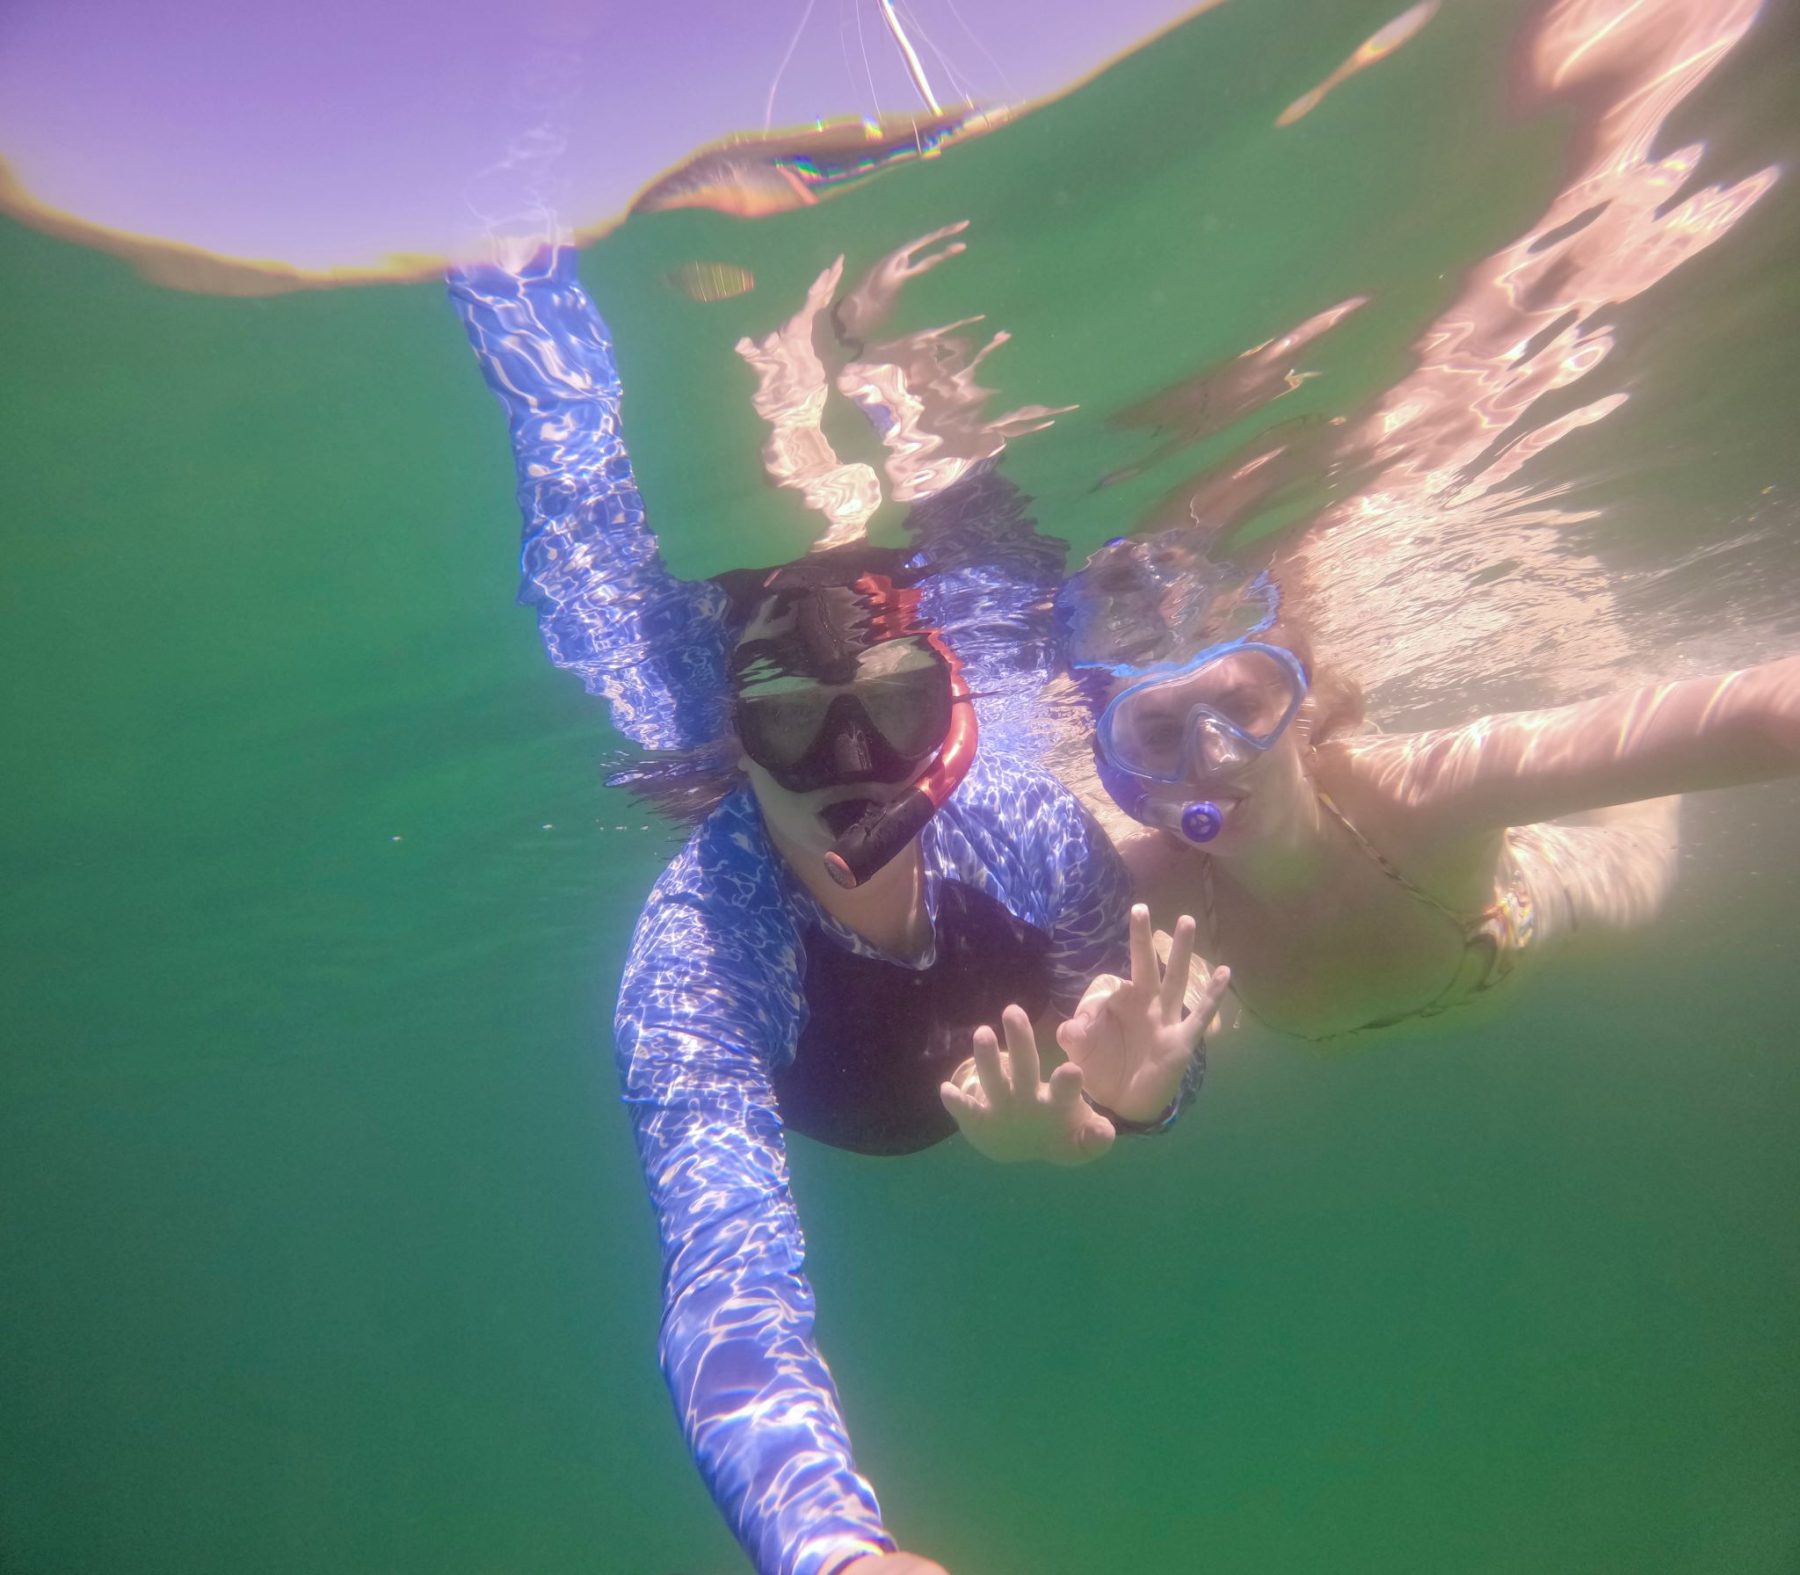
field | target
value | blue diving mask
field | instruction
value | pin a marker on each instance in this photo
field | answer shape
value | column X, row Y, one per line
column 1201, row 724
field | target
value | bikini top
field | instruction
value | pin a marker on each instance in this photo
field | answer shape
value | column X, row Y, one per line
column 1493, row 939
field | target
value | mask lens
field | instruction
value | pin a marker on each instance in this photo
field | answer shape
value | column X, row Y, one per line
column 1252, row 691
column 1216, row 748
column 1148, row 735
column 911, row 711
column 780, row 727
column 877, row 729
column 1213, row 717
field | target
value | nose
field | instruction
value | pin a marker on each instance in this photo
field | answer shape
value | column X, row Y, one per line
column 1218, row 749
column 851, row 751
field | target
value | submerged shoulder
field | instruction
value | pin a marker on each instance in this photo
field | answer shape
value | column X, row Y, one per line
column 726, row 872
column 1017, row 831
column 1003, row 800
column 716, row 942
column 1396, row 794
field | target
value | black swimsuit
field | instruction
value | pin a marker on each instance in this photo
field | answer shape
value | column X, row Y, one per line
column 880, row 1037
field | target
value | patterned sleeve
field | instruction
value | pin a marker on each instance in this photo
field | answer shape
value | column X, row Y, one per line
column 608, row 608
column 710, row 987
column 1089, row 921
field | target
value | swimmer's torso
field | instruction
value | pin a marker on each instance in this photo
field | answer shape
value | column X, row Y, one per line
column 881, row 1037
column 1349, row 948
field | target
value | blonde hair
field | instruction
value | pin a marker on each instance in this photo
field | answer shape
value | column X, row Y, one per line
column 1335, row 702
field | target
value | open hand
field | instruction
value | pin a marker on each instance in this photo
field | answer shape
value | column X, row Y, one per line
column 1009, row 1112
column 1130, row 1037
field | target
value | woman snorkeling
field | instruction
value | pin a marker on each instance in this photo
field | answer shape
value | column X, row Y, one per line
column 1356, row 880
column 868, row 896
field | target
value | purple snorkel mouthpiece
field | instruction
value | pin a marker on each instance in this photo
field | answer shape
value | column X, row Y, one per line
column 1198, row 821
column 1202, row 822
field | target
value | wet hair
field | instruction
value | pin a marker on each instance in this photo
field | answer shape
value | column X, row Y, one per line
column 822, row 591
column 1145, row 599
column 1334, row 702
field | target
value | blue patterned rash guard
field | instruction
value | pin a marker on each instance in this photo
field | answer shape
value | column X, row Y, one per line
column 715, row 1008
column 712, row 1008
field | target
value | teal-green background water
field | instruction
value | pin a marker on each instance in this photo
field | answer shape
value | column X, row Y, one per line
column 322, row 1245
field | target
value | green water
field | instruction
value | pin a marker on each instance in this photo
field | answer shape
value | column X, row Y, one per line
column 322, row 1245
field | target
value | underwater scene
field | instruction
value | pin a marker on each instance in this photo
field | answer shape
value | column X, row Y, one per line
column 1152, row 927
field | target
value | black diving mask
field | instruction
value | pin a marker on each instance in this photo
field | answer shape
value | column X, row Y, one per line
column 882, row 726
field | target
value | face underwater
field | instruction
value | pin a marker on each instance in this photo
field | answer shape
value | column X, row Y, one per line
column 1184, row 746
column 823, row 758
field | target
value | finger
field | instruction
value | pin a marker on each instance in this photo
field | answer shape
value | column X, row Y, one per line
column 1096, row 1135
column 921, row 265
column 1175, row 974
column 1207, row 1008
column 912, row 263
column 1218, row 982
column 1093, row 1001
column 1072, row 1035
column 1143, row 949
column 825, row 286
column 943, row 234
column 1128, row 998
column 989, row 1069
column 1022, row 1050
column 962, row 1108
column 1065, row 1087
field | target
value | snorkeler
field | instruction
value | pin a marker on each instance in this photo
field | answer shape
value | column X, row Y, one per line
column 867, row 897
column 1357, row 880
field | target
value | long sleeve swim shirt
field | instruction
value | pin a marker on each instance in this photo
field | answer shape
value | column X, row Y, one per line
column 734, row 967
column 713, row 1005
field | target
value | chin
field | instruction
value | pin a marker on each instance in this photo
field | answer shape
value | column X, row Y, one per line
column 1237, row 830
column 1224, row 846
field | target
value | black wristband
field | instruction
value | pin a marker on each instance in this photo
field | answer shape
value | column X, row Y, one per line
column 1136, row 1128
column 1184, row 1096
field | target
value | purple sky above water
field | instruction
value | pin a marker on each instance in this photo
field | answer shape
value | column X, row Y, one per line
column 343, row 130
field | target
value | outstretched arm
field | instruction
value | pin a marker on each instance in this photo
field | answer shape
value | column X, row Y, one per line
column 607, row 606
column 708, row 987
column 1644, row 743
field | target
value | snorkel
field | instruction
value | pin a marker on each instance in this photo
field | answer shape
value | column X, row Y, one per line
column 1198, row 821
column 886, row 828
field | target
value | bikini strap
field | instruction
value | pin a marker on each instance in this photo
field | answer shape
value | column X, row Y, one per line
column 1207, row 907
column 1464, row 922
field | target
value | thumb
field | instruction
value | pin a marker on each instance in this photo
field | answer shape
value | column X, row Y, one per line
column 1096, row 1137
column 825, row 284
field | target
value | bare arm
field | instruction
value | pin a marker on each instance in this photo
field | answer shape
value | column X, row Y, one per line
column 1646, row 743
